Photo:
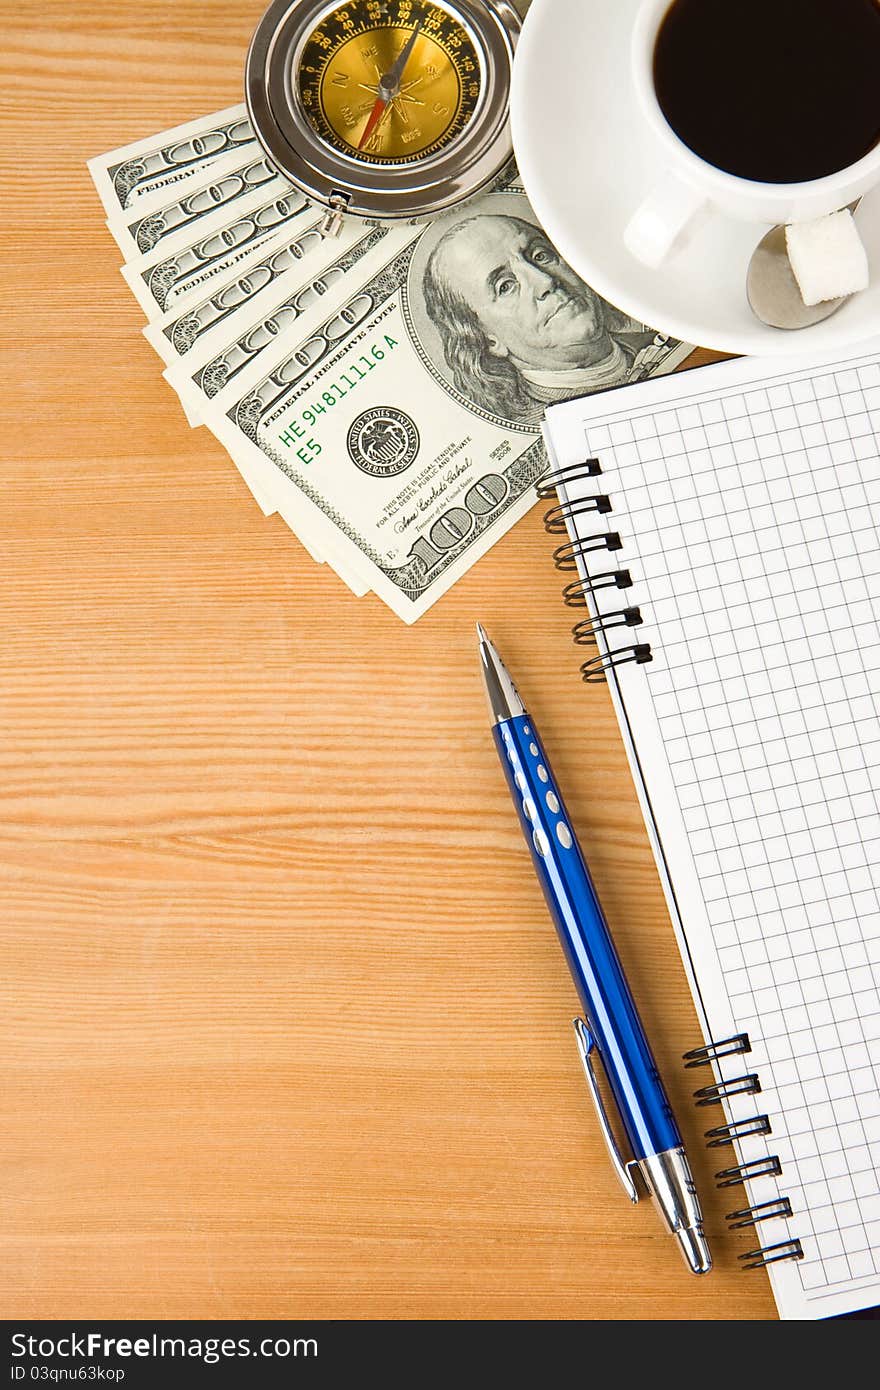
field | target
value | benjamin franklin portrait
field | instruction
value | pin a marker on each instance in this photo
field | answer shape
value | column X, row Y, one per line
column 518, row 329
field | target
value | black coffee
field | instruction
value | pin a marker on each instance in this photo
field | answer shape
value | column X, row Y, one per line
column 781, row 91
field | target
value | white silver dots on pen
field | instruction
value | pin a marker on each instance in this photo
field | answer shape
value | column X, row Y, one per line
column 561, row 830
column 551, row 800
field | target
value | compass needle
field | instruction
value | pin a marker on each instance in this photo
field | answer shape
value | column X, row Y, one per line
column 380, row 107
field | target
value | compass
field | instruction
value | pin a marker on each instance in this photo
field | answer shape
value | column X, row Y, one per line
column 383, row 109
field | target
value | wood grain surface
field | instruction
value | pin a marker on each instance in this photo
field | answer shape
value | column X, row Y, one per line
column 285, row 1027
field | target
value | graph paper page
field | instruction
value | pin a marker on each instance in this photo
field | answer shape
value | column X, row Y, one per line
column 746, row 497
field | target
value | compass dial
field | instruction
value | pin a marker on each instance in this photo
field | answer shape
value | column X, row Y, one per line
column 384, row 109
column 388, row 81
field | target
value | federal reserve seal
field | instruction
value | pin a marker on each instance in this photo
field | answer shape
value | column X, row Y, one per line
column 383, row 441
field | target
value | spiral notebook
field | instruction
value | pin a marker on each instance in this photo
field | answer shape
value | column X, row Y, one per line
column 723, row 534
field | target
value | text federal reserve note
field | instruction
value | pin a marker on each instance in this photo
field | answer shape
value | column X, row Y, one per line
column 162, row 161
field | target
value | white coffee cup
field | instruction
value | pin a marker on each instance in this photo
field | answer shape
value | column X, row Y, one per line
column 689, row 186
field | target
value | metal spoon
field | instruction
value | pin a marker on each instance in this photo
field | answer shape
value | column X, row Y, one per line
column 774, row 296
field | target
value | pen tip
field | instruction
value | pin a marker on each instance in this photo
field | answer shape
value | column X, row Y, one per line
column 481, row 634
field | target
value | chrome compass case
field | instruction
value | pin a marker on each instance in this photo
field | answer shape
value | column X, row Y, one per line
column 384, row 109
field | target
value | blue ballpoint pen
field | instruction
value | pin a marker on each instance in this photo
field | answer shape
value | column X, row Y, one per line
column 611, row 1028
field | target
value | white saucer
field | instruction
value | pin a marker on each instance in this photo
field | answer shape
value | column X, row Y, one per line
column 587, row 160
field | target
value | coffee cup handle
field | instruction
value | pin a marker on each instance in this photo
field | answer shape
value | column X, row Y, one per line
column 658, row 226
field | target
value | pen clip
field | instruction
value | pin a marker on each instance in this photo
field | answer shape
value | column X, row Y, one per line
column 585, row 1045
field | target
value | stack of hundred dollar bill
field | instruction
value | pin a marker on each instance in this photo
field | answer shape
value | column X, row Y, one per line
column 382, row 390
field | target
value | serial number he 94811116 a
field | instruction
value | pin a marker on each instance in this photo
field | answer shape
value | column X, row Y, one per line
column 355, row 372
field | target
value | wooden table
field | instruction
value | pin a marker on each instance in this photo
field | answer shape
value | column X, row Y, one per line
column 286, row 1028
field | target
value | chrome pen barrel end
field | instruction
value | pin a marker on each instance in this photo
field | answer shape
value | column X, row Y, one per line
column 670, row 1182
column 695, row 1249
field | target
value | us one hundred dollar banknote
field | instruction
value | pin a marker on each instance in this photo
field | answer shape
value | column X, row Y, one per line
column 230, row 179
column 273, row 303
column 194, row 158
column 405, row 410
column 174, row 271
column 278, row 298
column 181, row 331
column 271, row 314
column 211, row 323
column 133, row 172
column 202, row 252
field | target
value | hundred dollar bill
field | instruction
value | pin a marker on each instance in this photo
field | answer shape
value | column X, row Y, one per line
column 141, row 175
column 179, row 332
column 237, row 324
column 162, row 161
column 235, row 344
column 208, row 256
column 164, row 277
column 230, row 178
column 259, row 304
column 272, row 313
column 348, row 567
column 407, row 414
column 212, row 254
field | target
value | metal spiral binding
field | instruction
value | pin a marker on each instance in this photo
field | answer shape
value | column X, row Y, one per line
column 713, row 1052
column 574, row 595
column 747, row 1085
column 565, row 557
column 723, row 1136
column 556, row 517
column 762, row 1211
column 577, row 593
column 583, row 634
column 573, row 473
column 741, row 1173
column 769, row 1254
column 593, row 671
column 727, row 1135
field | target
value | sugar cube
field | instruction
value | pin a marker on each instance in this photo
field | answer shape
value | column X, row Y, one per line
column 827, row 257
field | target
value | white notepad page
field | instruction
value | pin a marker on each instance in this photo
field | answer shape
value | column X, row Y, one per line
column 747, row 499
